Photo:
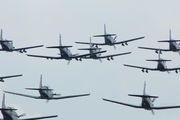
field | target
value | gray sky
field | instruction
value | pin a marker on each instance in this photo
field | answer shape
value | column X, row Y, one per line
column 33, row 22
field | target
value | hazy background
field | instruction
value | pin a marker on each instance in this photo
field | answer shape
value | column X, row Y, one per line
column 34, row 22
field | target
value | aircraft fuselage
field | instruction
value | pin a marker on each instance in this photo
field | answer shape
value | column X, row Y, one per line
column 146, row 103
column 7, row 45
column 94, row 56
column 46, row 93
column 161, row 66
column 173, row 46
column 66, row 53
column 109, row 40
column 9, row 114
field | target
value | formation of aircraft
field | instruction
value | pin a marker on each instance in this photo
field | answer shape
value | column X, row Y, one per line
column 65, row 53
column 93, row 50
column 161, row 66
column 173, row 45
column 7, row 45
column 147, row 102
column 109, row 40
column 9, row 113
column 4, row 77
column 46, row 93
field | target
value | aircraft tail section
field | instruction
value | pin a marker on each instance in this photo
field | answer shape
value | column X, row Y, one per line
column 104, row 29
column 170, row 35
column 1, row 36
column 60, row 43
column 144, row 89
column 40, row 83
column 3, row 101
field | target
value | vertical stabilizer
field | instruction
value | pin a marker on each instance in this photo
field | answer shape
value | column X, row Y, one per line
column 40, row 84
column 90, row 43
column 60, row 44
column 144, row 90
column 3, row 101
column 159, row 52
column 104, row 29
column 1, row 36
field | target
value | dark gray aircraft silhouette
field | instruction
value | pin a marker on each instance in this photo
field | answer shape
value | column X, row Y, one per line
column 109, row 40
column 65, row 53
column 4, row 77
column 93, row 50
column 7, row 45
column 173, row 45
column 161, row 66
column 147, row 102
column 46, row 93
column 10, row 114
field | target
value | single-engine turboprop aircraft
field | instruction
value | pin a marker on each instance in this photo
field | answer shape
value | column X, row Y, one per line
column 93, row 50
column 109, row 40
column 4, row 77
column 65, row 53
column 46, row 93
column 10, row 114
column 147, row 102
column 161, row 66
column 173, row 45
column 7, row 45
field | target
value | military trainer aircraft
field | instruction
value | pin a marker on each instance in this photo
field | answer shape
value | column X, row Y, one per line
column 46, row 93
column 65, row 53
column 173, row 45
column 109, row 40
column 161, row 66
column 4, row 77
column 7, row 45
column 93, row 50
column 147, row 102
column 10, row 114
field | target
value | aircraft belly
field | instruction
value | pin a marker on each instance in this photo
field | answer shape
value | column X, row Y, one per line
column 44, row 95
column 6, row 116
column 146, row 105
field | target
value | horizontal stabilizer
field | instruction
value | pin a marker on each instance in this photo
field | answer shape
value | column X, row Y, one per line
column 169, row 41
column 7, row 109
column 143, row 96
column 90, row 49
column 158, row 60
column 37, row 89
column 104, row 35
column 59, row 47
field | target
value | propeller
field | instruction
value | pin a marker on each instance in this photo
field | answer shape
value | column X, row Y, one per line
column 153, row 99
column 21, row 115
column 68, row 62
column 114, row 46
column 47, row 101
column 115, row 38
column 152, row 111
column 100, row 60
column 57, row 94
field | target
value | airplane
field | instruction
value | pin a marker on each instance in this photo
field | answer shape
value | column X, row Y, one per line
column 65, row 53
column 7, row 45
column 46, row 93
column 94, row 50
column 109, row 40
column 9, row 113
column 1, row 78
column 147, row 102
column 173, row 45
column 161, row 66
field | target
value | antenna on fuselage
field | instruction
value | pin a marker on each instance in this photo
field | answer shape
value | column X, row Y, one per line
column 104, row 29
column 144, row 90
column 60, row 44
column 1, row 35
column 40, row 83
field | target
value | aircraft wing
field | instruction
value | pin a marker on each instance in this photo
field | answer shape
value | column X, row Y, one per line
column 71, row 96
column 156, row 49
column 24, row 48
column 30, row 96
column 107, row 56
column 134, row 106
column 165, row 107
column 1, row 78
column 171, row 69
column 125, row 41
column 90, row 43
column 153, row 69
column 37, row 118
column 47, row 57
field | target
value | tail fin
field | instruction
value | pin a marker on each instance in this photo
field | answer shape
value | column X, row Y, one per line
column 104, row 29
column 159, row 52
column 40, row 84
column 90, row 43
column 1, row 36
column 144, row 90
column 60, row 44
column 3, row 101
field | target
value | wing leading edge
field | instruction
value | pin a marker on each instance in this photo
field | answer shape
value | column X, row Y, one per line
column 37, row 118
column 71, row 96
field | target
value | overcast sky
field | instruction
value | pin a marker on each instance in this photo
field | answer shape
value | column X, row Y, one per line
column 33, row 22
